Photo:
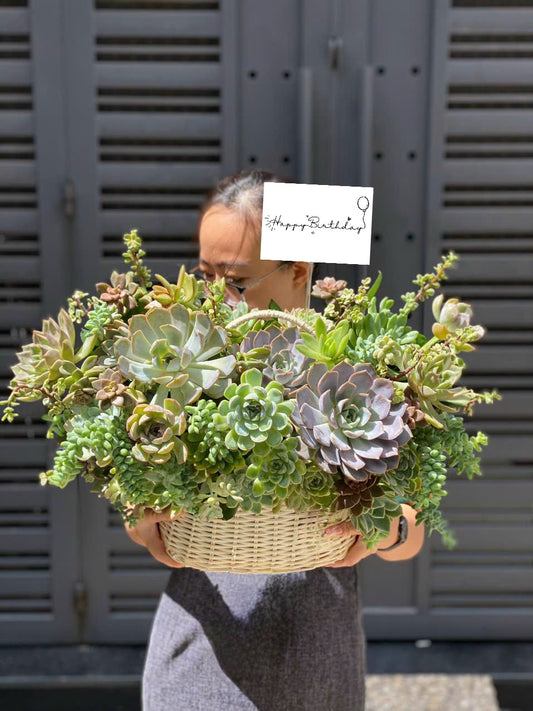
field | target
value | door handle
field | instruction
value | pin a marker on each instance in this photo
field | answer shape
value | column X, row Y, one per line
column 305, row 125
column 366, row 125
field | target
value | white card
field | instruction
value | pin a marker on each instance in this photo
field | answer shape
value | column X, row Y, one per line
column 316, row 223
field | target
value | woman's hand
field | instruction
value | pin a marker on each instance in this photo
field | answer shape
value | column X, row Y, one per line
column 358, row 550
column 146, row 533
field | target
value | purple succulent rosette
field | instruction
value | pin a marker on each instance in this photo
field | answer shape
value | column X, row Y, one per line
column 347, row 419
column 284, row 362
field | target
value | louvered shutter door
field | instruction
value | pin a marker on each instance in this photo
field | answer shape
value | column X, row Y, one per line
column 155, row 94
column 481, row 206
column 38, row 543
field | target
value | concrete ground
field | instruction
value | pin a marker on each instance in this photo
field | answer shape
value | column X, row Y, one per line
column 430, row 692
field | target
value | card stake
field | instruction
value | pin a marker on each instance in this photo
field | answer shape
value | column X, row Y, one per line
column 316, row 223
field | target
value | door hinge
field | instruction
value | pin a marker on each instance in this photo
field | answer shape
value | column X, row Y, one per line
column 79, row 601
column 69, row 199
column 335, row 45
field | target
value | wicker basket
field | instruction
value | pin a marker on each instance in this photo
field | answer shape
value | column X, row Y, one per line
column 284, row 542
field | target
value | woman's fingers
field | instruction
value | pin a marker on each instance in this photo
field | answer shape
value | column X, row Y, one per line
column 355, row 553
column 146, row 533
column 155, row 545
column 346, row 528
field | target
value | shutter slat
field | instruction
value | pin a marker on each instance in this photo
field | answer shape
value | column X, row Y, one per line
column 507, row 448
column 167, row 268
column 24, row 495
column 505, row 380
column 513, row 405
column 132, row 23
column 481, row 579
column 16, row 123
column 181, row 174
column 18, row 268
column 143, row 582
column 27, row 314
column 31, row 584
column 501, row 313
column 19, row 172
column 156, row 75
column 475, row 122
column 490, row 72
column 508, row 494
column 481, row 601
column 120, row 542
column 493, row 268
column 491, row 359
column 490, row 537
column 15, row 73
column 149, row 221
column 488, row 219
column 489, row 172
column 35, row 452
column 15, row 607
column 23, row 221
column 14, row 21
column 184, row 125
column 20, row 540
column 512, row 20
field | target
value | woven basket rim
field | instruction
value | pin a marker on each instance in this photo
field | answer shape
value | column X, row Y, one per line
column 251, row 542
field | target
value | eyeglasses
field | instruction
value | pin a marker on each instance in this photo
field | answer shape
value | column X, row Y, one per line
column 235, row 292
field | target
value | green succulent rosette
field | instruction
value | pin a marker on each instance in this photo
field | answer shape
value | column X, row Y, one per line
column 316, row 490
column 50, row 355
column 156, row 432
column 274, row 470
column 176, row 351
column 254, row 414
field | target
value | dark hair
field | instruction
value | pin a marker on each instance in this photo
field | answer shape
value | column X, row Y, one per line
column 242, row 192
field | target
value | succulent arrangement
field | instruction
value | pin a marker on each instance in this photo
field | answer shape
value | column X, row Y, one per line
column 170, row 398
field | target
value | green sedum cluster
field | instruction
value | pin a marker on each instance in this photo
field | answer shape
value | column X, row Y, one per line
column 168, row 398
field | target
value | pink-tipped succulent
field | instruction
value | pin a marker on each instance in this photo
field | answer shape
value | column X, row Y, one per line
column 328, row 287
column 346, row 417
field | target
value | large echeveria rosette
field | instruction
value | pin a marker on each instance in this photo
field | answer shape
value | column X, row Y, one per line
column 347, row 420
column 50, row 355
column 277, row 348
column 177, row 351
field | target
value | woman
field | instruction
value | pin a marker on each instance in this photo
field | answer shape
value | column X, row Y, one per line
column 272, row 642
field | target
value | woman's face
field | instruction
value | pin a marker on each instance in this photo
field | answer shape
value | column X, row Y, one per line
column 230, row 248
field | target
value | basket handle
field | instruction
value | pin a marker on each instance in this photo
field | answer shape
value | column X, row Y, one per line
column 265, row 314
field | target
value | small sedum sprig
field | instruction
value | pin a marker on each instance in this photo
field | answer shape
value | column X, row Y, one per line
column 427, row 284
column 133, row 255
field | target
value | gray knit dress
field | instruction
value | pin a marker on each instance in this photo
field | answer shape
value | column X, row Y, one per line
column 273, row 642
